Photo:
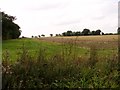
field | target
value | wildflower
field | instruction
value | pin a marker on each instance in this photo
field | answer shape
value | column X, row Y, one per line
column 21, row 81
column 11, row 72
column 7, row 72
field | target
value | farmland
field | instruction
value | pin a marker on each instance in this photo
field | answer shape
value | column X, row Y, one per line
column 55, row 44
column 110, row 41
column 71, row 62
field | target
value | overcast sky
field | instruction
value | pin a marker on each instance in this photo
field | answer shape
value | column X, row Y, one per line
column 36, row 17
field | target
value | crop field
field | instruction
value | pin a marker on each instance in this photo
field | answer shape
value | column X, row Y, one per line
column 58, row 62
column 106, row 41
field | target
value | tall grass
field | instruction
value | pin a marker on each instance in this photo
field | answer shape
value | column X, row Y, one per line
column 65, row 69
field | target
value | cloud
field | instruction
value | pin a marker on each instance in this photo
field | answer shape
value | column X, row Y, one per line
column 69, row 22
column 99, row 18
column 45, row 7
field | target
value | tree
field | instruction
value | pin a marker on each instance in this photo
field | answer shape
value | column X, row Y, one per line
column 10, row 30
column 32, row 36
column 78, row 33
column 69, row 33
column 51, row 35
column 93, row 33
column 102, row 33
column 86, row 32
column 64, row 34
column 56, row 34
column 43, row 35
column 59, row 35
column 97, row 32
column 39, row 36
column 36, row 37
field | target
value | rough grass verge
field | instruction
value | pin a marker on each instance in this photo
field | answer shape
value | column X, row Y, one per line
column 65, row 69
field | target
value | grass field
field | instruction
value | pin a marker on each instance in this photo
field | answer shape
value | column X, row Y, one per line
column 105, row 44
column 71, row 62
column 15, row 46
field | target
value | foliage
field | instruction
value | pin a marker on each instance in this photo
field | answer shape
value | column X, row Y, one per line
column 97, row 32
column 10, row 30
column 32, row 36
column 51, row 35
column 43, row 35
column 39, row 36
column 85, row 32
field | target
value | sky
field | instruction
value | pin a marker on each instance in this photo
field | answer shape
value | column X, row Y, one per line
column 119, row 14
column 36, row 17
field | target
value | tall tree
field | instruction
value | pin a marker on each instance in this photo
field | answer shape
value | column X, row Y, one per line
column 86, row 32
column 97, row 32
column 10, row 30
column 69, row 33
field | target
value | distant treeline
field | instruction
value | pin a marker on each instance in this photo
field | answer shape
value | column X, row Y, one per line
column 85, row 32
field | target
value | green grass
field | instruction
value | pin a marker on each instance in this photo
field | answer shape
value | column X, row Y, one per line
column 14, row 47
